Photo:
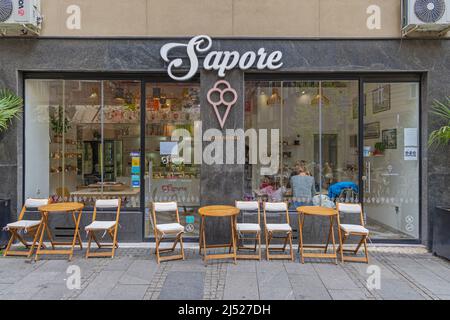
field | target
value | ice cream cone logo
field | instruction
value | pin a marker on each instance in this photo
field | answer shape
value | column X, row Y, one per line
column 222, row 94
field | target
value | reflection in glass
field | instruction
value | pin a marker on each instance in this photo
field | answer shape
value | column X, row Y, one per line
column 318, row 122
column 78, row 140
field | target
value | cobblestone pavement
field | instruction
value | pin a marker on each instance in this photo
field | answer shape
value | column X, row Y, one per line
column 408, row 272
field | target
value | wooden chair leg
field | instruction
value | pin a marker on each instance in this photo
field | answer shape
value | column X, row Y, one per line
column 328, row 239
column 114, row 243
column 290, row 245
column 359, row 245
column 10, row 242
column 259, row 244
column 89, row 243
column 158, row 241
column 300, row 238
column 182, row 246
column 285, row 243
column 36, row 234
column 333, row 240
column 366, row 252
column 94, row 237
column 49, row 235
column 269, row 235
column 41, row 239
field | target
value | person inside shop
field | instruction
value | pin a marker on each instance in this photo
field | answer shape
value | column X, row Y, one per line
column 303, row 189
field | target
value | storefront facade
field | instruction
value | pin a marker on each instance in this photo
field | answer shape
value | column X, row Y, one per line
column 100, row 113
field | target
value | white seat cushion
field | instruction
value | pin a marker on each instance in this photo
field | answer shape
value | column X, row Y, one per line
column 170, row 228
column 23, row 224
column 247, row 205
column 275, row 206
column 248, row 227
column 107, row 203
column 165, row 206
column 278, row 227
column 354, row 228
column 100, row 225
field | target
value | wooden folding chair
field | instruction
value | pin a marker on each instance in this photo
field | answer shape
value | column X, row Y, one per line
column 244, row 229
column 284, row 230
column 29, row 227
column 162, row 231
column 347, row 230
column 109, row 227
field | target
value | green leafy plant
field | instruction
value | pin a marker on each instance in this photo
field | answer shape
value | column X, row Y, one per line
column 10, row 108
column 380, row 147
column 59, row 123
column 441, row 136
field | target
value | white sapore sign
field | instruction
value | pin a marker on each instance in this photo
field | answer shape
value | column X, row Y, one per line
column 220, row 61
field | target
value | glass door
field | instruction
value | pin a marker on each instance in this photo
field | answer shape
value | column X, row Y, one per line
column 171, row 108
column 391, row 160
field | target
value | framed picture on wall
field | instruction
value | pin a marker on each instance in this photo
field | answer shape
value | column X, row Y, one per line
column 372, row 130
column 389, row 138
column 381, row 99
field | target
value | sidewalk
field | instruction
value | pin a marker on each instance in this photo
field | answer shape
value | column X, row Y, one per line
column 406, row 273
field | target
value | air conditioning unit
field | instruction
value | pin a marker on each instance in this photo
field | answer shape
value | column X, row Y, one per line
column 20, row 17
column 425, row 17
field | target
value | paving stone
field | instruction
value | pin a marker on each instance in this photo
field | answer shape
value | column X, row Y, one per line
column 406, row 273
column 299, row 268
column 118, row 264
column 52, row 292
column 242, row 266
column 308, row 287
column 348, row 294
column 241, row 286
column 101, row 286
column 334, row 277
column 398, row 290
column 139, row 272
column 127, row 292
column 423, row 276
column 181, row 285
column 275, row 286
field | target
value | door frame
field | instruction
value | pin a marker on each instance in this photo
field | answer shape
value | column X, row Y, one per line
column 407, row 78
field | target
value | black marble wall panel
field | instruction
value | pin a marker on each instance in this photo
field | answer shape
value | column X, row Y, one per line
column 431, row 58
column 221, row 184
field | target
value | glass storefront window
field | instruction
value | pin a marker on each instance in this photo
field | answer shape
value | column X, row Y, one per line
column 80, row 138
column 391, row 160
column 171, row 106
column 318, row 124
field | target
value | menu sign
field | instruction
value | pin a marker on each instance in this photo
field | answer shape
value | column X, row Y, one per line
column 135, row 169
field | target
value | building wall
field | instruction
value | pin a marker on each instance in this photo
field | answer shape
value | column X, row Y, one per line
column 431, row 58
column 237, row 18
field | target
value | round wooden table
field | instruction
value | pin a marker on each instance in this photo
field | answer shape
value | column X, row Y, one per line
column 218, row 211
column 321, row 212
column 73, row 208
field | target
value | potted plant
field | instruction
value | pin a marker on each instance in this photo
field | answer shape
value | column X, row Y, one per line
column 379, row 149
column 440, row 138
column 59, row 124
column 10, row 108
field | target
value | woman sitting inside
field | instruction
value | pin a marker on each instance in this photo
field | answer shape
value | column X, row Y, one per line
column 303, row 189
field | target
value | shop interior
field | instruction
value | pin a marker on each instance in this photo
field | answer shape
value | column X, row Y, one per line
column 319, row 130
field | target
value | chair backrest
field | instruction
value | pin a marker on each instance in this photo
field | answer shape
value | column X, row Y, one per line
column 33, row 203
column 107, row 204
column 164, row 207
column 249, row 206
column 276, row 207
column 351, row 208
